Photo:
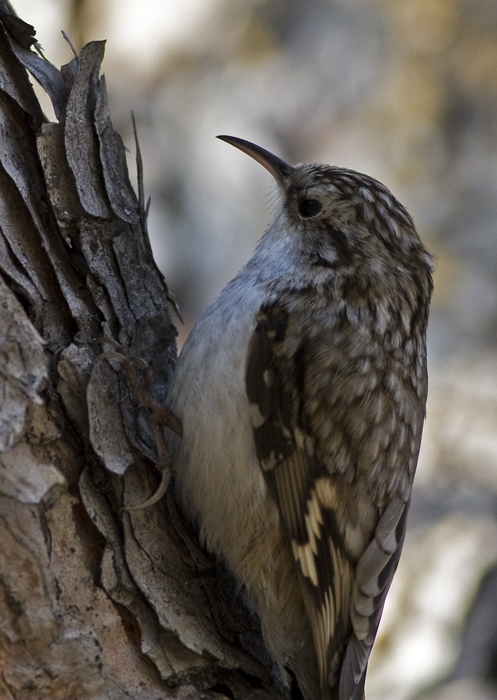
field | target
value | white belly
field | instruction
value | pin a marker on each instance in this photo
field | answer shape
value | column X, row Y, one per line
column 218, row 479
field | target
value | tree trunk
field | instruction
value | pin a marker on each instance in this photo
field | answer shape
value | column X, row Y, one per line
column 95, row 601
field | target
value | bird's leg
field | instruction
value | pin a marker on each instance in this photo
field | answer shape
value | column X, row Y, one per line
column 160, row 415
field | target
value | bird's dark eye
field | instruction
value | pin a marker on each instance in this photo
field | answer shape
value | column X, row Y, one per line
column 309, row 208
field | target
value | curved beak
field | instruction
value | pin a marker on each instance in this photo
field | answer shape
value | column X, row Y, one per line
column 277, row 167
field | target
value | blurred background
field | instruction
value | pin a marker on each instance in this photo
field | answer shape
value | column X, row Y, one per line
column 405, row 90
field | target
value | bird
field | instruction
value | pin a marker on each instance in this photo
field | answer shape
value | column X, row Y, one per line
column 302, row 393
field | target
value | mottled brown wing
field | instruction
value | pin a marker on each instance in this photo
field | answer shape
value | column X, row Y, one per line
column 343, row 597
column 373, row 576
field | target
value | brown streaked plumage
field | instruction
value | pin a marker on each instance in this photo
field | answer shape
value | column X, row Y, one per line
column 302, row 393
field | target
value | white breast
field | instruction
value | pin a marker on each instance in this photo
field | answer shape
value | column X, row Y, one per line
column 219, row 481
column 218, row 478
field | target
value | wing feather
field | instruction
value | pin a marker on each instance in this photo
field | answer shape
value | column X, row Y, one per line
column 343, row 584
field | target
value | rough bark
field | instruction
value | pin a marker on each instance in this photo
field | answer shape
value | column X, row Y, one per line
column 95, row 601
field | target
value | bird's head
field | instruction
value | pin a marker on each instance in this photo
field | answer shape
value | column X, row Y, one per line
column 341, row 217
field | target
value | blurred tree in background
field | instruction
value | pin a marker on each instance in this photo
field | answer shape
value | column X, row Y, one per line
column 405, row 90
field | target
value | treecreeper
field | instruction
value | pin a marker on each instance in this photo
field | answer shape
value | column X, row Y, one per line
column 302, row 393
